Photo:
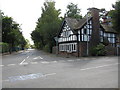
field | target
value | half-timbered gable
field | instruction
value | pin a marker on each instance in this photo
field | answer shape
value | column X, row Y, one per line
column 66, row 34
column 84, row 33
column 67, row 38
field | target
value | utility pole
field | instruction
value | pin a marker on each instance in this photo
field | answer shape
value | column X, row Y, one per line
column 87, row 37
column 56, row 39
column 77, row 44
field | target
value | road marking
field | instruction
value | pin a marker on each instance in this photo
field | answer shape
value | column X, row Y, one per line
column 45, row 62
column 1, row 65
column 25, row 63
column 54, row 61
column 35, row 58
column 70, row 60
column 28, row 57
column 49, row 74
column 22, row 62
column 27, row 77
column 99, row 66
column 34, row 62
column 11, row 64
column 107, row 60
column 38, row 57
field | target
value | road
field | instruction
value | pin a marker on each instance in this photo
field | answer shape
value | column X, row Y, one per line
column 36, row 69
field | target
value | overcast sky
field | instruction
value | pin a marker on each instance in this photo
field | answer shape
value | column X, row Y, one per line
column 27, row 12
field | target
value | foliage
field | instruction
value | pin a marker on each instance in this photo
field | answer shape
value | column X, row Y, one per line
column 32, row 46
column 4, row 47
column 47, row 27
column 27, row 44
column 115, row 14
column 105, row 41
column 11, row 33
column 99, row 50
column 73, row 11
column 46, row 48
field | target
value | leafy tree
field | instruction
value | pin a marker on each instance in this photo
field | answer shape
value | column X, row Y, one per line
column 28, row 45
column 47, row 27
column 11, row 33
column 115, row 14
column 73, row 11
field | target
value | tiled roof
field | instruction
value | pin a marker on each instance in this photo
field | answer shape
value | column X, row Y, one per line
column 108, row 28
column 76, row 23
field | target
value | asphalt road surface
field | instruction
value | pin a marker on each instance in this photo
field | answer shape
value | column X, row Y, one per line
column 36, row 69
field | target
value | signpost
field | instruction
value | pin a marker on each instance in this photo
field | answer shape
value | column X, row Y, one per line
column 56, row 39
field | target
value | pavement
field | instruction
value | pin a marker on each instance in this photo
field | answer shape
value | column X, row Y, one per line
column 36, row 69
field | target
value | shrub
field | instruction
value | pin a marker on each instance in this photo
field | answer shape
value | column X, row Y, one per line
column 4, row 47
column 99, row 50
column 46, row 48
column 105, row 41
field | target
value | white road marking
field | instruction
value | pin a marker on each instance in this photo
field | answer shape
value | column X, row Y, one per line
column 107, row 60
column 1, row 65
column 99, row 66
column 38, row 57
column 70, row 60
column 54, row 61
column 35, row 58
column 22, row 62
column 45, row 62
column 34, row 62
column 25, row 63
column 49, row 74
column 28, row 57
column 11, row 64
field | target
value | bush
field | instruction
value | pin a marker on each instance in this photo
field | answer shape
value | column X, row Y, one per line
column 105, row 41
column 46, row 48
column 4, row 47
column 99, row 50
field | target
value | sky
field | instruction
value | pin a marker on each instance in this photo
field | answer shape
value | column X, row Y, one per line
column 27, row 12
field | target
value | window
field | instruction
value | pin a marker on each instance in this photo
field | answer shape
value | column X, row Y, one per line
column 86, row 33
column 101, row 35
column 90, row 22
column 69, row 47
column 78, row 37
column 85, row 37
column 111, row 37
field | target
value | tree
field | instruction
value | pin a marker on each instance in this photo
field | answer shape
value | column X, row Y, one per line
column 47, row 27
column 11, row 33
column 73, row 11
column 28, row 45
column 115, row 14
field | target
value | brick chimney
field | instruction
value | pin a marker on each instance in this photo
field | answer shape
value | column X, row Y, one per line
column 95, row 37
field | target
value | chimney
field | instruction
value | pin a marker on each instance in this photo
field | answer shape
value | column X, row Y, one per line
column 95, row 37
